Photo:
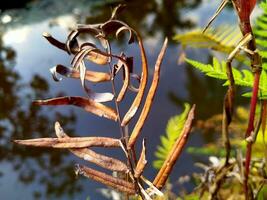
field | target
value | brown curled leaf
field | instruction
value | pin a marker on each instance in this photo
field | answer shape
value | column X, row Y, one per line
column 122, row 29
column 94, row 96
column 73, row 142
column 92, row 76
column 87, row 104
column 126, row 81
column 149, row 98
column 131, row 87
column 136, row 103
column 175, row 151
column 97, row 57
column 115, row 183
column 141, row 162
column 70, row 40
column 78, row 63
column 80, row 55
column 112, row 26
column 54, row 41
column 94, row 56
column 91, row 156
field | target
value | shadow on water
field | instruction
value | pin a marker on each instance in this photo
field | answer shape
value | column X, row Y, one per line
column 50, row 172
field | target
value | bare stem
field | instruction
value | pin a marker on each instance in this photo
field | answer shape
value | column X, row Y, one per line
column 250, row 129
column 256, row 68
column 123, row 132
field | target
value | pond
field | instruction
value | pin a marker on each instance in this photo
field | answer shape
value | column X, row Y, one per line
column 25, row 60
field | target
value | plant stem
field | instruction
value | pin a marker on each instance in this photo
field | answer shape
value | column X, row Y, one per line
column 255, row 64
column 122, row 130
column 228, row 109
column 250, row 129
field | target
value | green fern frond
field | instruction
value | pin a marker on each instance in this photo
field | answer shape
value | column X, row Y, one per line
column 242, row 78
column 173, row 130
column 260, row 30
column 223, row 38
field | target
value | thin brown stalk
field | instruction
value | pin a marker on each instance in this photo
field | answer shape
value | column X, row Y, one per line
column 218, row 181
column 115, row 183
column 149, row 99
column 217, row 12
column 124, row 135
column 73, row 142
column 175, row 152
column 228, row 109
column 137, row 101
column 87, row 104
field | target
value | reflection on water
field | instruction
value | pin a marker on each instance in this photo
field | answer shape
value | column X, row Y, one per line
column 24, row 76
column 150, row 17
column 20, row 119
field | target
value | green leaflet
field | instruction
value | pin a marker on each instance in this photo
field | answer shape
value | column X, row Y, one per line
column 173, row 130
column 223, row 39
column 242, row 78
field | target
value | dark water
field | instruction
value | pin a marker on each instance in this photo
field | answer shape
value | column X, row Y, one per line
column 25, row 59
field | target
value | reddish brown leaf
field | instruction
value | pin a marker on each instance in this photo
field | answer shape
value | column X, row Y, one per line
column 73, row 73
column 87, row 104
column 125, row 82
column 244, row 9
column 94, row 56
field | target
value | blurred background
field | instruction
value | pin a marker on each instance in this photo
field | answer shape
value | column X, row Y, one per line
column 25, row 59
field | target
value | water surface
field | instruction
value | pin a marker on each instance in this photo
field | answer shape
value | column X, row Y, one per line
column 25, row 59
